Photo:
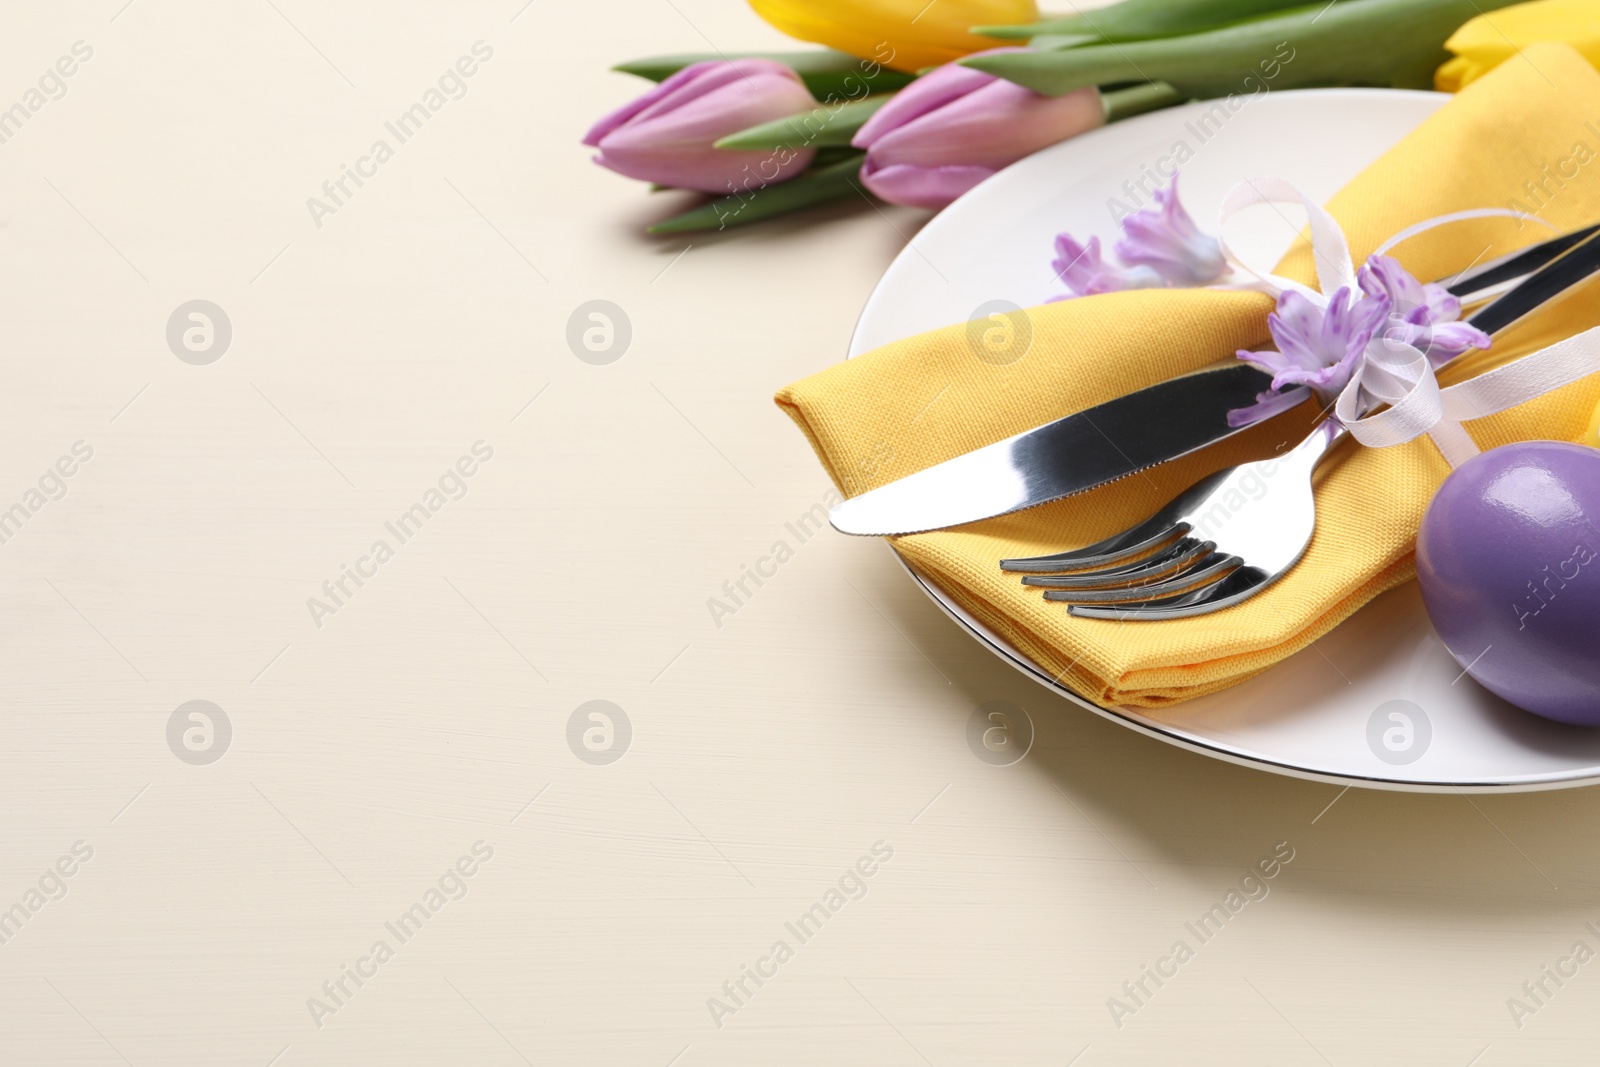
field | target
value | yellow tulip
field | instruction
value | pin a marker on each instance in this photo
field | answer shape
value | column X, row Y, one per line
column 1491, row 39
column 903, row 35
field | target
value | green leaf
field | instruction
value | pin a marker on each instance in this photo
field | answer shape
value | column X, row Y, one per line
column 1050, row 41
column 828, row 74
column 815, row 186
column 1393, row 43
column 827, row 157
column 824, row 126
column 1138, row 20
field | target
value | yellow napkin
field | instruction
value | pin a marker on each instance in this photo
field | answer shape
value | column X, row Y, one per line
column 1510, row 139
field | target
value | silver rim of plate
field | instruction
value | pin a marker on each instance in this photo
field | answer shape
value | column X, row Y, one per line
column 1289, row 720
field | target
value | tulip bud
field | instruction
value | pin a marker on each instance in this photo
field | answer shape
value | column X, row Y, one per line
column 666, row 135
column 1481, row 44
column 906, row 35
column 952, row 128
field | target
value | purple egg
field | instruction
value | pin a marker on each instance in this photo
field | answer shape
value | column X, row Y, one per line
column 1509, row 563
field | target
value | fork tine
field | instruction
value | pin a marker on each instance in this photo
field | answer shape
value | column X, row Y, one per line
column 1153, row 534
column 1184, row 553
column 1239, row 585
column 1111, row 575
column 1213, row 569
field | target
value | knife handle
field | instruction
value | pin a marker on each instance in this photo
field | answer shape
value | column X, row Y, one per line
column 1578, row 262
column 1475, row 284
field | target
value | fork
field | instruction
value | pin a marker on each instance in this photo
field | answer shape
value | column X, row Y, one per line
column 1219, row 542
column 1233, row 533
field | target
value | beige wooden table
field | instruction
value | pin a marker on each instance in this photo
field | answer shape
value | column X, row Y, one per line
column 381, row 740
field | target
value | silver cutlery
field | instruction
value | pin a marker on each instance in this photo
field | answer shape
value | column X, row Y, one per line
column 1235, row 532
column 1114, row 439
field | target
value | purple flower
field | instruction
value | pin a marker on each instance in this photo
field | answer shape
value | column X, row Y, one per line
column 1160, row 245
column 1316, row 347
column 1165, row 239
column 666, row 135
column 952, row 128
column 1087, row 274
column 1322, row 349
column 1423, row 316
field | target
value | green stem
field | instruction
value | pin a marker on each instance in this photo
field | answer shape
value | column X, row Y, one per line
column 1137, row 99
column 828, row 74
column 815, row 186
column 1397, row 43
column 824, row 126
column 831, row 154
column 1138, row 20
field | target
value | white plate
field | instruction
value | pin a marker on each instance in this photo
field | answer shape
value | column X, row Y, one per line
column 1328, row 713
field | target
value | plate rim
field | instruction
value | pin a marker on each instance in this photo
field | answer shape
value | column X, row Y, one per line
column 1128, row 717
column 1173, row 735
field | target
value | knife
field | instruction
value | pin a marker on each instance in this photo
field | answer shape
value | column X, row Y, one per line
column 1164, row 421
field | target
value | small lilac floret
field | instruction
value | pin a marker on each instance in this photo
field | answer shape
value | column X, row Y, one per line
column 1425, row 316
column 1165, row 239
column 1087, row 273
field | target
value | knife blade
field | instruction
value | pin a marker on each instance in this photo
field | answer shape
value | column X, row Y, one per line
column 1060, row 458
column 1164, row 421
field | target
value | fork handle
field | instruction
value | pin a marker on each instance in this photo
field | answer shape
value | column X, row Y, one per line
column 1316, row 445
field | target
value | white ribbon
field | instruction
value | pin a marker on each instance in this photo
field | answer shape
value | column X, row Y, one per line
column 1328, row 246
column 1392, row 372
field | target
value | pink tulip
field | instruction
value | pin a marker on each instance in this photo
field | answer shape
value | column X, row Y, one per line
column 666, row 135
column 955, row 126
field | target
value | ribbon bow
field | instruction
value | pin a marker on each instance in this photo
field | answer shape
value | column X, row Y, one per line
column 1391, row 372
